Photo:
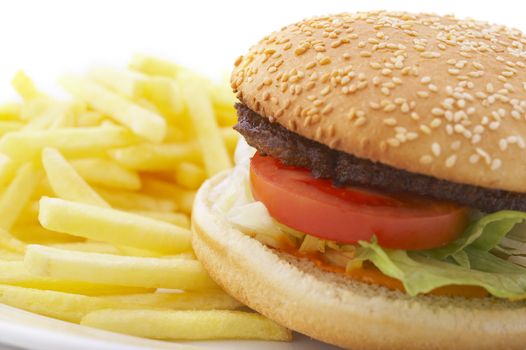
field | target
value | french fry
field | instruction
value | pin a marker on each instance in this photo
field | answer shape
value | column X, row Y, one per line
column 7, row 169
column 64, row 306
column 119, row 81
column 89, row 118
column 100, row 171
column 142, row 122
column 178, row 219
column 18, row 193
column 130, row 271
column 11, row 243
column 189, row 175
column 26, row 145
column 15, row 274
column 154, row 66
column 91, row 247
column 34, row 233
column 25, row 86
column 128, row 200
column 66, row 182
column 112, row 226
column 183, row 197
column 29, row 214
column 203, row 300
column 176, row 135
column 8, row 255
column 213, row 150
column 188, row 325
column 165, row 94
column 10, row 111
column 7, row 126
column 152, row 157
column 230, row 137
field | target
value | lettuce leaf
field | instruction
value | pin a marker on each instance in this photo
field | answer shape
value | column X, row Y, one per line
column 484, row 233
column 420, row 273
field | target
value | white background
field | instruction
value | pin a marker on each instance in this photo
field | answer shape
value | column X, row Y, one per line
column 48, row 38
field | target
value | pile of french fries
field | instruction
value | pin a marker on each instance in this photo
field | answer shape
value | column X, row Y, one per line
column 96, row 195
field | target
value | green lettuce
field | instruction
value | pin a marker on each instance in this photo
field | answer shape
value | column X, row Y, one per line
column 420, row 273
column 484, row 233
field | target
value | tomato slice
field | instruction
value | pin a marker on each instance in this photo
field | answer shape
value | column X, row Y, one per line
column 350, row 214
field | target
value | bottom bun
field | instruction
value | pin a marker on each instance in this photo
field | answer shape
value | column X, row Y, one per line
column 336, row 309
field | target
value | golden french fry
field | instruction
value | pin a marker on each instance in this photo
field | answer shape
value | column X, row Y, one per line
column 112, row 226
column 100, row 171
column 128, row 200
column 15, row 274
column 8, row 255
column 202, row 300
column 18, row 194
column 188, row 325
column 178, row 219
column 154, row 66
column 141, row 121
column 91, row 247
column 213, row 150
column 189, row 175
column 7, row 126
column 11, row 243
column 34, row 233
column 164, row 93
column 131, row 271
column 183, row 197
column 64, row 306
column 89, row 118
column 10, row 111
column 230, row 137
column 119, row 81
column 7, row 169
column 26, row 145
column 25, row 86
column 66, row 182
column 152, row 157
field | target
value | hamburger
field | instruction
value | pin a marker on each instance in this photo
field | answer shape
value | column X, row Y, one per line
column 380, row 202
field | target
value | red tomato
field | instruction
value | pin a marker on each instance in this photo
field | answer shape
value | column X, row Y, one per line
column 351, row 214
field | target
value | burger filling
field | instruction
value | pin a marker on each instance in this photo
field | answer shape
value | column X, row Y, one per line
column 395, row 238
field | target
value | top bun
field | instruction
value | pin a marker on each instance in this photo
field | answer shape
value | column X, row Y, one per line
column 430, row 94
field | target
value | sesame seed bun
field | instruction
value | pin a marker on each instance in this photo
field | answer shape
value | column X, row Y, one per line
column 430, row 94
column 338, row 310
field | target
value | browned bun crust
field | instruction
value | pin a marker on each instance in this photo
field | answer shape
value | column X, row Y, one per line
column 338, row 310
column 430, row 94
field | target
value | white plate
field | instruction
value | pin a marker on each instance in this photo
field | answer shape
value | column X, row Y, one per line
column 30, row 331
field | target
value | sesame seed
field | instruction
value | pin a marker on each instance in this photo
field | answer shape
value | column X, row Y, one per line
column 495, row 164
column 394, row 142
column 450, row 161
column 365, row 53
column 435, row 149
column 360, row 121
column 435, row 123
column 390, row 121
column 425, row 80
column 415, row 116
column 425, row 129
column 494, row 125
column 426, row 159
column 430, row 54
column 474, row 158
column 437, row 111
column 503, row 144
column 423, row 94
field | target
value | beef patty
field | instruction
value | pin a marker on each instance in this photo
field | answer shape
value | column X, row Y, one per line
column 345, row 169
